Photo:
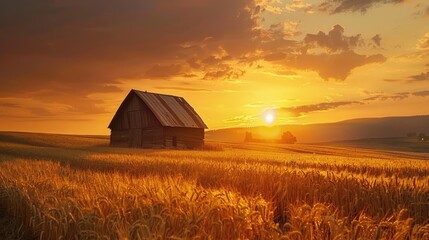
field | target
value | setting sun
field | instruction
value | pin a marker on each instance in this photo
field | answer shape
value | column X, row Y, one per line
column 269, row 118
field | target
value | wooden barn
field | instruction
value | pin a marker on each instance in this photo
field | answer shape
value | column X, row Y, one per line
column 151, row 120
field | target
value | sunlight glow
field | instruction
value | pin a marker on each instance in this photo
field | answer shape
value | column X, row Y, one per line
column 269, row 118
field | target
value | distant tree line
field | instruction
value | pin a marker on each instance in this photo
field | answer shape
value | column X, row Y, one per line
column 287, row 137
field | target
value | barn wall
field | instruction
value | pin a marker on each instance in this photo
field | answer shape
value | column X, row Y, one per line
column 152, row 137
column 184, row 137
column 158, row 137
column 135, row 114
column 134, row 119
column 119, row 138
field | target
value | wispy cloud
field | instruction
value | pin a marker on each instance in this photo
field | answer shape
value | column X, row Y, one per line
column 395, row 96
column 424, row 76
column 339, row 6
column 301, row 110
column 242, row 120
column 423, row 43
column 296, row 5
column 421, row 77
column 384, row 97
column 421, row 93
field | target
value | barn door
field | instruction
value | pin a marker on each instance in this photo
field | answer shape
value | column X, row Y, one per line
column 135, row 139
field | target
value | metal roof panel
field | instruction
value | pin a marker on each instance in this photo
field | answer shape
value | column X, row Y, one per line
column 171, row 111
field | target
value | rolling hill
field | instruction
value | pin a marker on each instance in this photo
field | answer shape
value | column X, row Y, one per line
column 386, row 127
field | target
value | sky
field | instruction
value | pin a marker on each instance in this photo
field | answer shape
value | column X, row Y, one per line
column 66, row 65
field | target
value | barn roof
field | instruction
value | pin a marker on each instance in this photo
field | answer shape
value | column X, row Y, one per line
column 171, row 111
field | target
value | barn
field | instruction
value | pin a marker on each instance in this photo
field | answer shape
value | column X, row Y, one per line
column 152, row 120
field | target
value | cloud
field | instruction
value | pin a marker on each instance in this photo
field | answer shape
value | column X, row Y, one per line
column 241, row 119
column 423, row 43
column 377, row 40
column 331, row 55
column 273, row 9
column 224, row 72
column 290, row 28
column 276, row 56
column 424, row 76
column 421, row 77
column 340, row 6
column 334, row 41
column 285, row 73
column 421, row 93
column 301, row 110
column 333, row 66
column 384, row 97
column 392, row 80
column 299, row 5
column 258, row 104
column 395, row 96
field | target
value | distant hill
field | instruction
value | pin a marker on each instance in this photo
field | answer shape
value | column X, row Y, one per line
column 386, row 127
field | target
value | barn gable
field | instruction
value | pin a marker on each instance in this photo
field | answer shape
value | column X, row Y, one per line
column 133, row 113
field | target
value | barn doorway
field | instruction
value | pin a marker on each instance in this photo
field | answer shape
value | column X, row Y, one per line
column 174, row 141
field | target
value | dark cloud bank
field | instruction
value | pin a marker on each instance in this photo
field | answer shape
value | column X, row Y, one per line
column 63, row 51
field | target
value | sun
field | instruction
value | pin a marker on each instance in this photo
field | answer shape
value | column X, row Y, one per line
column 269, row 118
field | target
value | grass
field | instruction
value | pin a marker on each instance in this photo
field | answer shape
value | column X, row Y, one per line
column 68, row 187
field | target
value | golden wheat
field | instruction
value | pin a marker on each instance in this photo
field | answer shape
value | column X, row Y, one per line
column 94, row 192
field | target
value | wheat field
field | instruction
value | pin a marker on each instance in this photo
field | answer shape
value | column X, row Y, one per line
column 76, row 187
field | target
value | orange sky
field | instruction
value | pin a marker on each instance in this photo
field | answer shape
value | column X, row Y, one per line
column 66, row 65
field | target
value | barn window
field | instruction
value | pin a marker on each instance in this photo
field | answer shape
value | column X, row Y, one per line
column 174, row 141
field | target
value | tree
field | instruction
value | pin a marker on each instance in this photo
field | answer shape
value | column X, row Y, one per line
column 287, row 137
